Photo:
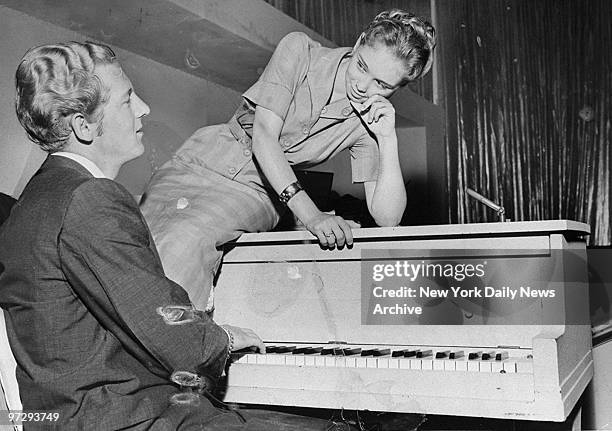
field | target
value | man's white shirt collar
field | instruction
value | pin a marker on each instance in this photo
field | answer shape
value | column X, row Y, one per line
column 83, row 161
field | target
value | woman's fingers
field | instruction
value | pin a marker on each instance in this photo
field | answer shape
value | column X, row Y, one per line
column 331, row 230
column 378, row 109
column 335, row 231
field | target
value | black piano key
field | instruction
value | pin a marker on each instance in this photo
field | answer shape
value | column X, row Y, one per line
column 271, row 349
column 455, row 355
column 313, row 350
column 423, row 353
column 398, row 353
column 285, row 349
column 381, row 352
column 301, row 350
column 500, row 356
column 486, row 356
column 409, row 353
column 327, row 351
column 338, row 352
column 369, row 352
column 473, row 355
column 441, row 355
column 352, row 351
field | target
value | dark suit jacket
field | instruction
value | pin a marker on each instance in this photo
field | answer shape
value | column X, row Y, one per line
column 81, row 284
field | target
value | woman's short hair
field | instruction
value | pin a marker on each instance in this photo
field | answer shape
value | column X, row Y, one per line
column 56, row 81
column 411, row 39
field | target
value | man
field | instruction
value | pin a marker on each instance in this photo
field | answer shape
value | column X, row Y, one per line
column 99, row 333
column 6, row 203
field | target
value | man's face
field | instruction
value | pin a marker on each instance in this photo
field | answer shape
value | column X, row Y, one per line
column 121, row 138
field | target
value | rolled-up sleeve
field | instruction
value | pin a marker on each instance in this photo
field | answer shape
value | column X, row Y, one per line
column 285, row 71
column 364, row 159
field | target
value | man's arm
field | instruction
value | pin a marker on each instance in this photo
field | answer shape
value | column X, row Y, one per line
column 108, row 257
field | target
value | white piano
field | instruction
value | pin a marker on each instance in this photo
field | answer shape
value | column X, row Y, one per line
column 496, row 358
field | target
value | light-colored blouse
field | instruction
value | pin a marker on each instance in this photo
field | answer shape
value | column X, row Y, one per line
column 297, row 85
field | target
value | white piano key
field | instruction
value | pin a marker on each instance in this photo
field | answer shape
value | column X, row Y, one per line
column 524, row 366
column 394, row 363
column 450, row 365
column 383, row 362
column 290, row 360
column 351, row 362
column 361, row 362
column 340, row 361
column 309, row 360
column 262, row 359
column 319, row 361
column 404, row 364
column 242, row 360
column 278, row 359
column 509, row 366
column 473, row 366
column 438, row 364
column 485, row 366
column 427, row 364
column 330, row 361
column 497, row 366
column 415, row 364
column 371, row 363
column 300, row 360
column 252, row 358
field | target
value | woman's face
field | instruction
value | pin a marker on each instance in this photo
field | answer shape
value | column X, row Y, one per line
column 373, row 70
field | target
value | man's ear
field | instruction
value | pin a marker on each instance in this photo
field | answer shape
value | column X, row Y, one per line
column 83, row 130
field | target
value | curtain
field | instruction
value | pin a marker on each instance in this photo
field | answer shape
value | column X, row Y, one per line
column 527, row 92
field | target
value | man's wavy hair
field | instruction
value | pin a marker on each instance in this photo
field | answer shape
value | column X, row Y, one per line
column 54, row 82
column 410, row 38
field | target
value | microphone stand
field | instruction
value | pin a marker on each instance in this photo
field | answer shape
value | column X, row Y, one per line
column 480, row 198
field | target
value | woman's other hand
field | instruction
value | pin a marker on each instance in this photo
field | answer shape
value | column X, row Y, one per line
column 378, row 114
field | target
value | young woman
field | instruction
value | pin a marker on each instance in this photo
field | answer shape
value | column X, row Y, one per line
column 309, row 104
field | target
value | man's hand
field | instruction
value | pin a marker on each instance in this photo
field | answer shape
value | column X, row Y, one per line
column 244, row 338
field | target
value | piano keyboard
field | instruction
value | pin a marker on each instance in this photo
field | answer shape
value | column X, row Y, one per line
column 391, row 357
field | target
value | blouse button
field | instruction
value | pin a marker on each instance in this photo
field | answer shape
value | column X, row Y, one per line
column 346, row 111
column 324, row 110
column 232, row 171
column 247, row 153
column 305, row 130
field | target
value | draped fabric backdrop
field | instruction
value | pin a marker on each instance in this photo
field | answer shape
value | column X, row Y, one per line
column 526, row 86
column 527, row 90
